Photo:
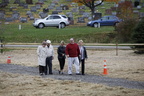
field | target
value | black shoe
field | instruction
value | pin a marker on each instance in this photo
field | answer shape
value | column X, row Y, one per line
column 59, row 72
column 70, row 74
column 78, row 74
column 83, row 74
column 41, row 74
column 50, row 73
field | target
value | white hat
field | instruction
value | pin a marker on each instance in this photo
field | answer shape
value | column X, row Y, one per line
column 48, row 41
column 71, row 39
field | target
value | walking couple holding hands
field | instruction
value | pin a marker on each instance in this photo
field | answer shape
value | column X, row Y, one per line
column 45, row 54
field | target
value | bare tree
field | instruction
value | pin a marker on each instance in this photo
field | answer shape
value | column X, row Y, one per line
column 91, row 4
column 29, row 1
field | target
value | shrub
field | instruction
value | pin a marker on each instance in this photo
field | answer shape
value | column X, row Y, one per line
column 138, row 37
column 124, row 30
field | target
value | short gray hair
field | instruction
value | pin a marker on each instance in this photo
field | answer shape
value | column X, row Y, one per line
column 44, row 43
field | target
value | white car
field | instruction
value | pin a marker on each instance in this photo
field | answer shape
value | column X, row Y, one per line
column 55, row 20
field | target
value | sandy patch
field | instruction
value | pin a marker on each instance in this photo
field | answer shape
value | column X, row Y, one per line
column 126, row 65
column 25, row 85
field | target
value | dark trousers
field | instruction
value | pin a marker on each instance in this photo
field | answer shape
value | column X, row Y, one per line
column 82, row 66
column 48, row 65
column 41, row 69
column 62, row 63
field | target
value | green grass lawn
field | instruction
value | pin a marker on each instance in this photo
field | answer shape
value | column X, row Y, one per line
column 30, row 34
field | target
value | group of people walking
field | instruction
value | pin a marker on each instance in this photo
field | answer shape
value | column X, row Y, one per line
column 75, row 53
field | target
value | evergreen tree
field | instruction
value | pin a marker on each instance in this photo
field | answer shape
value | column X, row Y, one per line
column 138, row 37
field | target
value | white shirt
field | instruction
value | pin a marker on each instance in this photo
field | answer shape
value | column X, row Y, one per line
column 81, row 52
column 50, row 51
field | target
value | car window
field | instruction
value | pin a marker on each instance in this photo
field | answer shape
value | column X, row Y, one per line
column 64, row 16
column 51, row 17
column 104, row 18
column 56, row 17
column 111, row 18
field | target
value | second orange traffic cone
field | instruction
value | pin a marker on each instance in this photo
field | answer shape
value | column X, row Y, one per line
column 105, row 68
column 9, row 60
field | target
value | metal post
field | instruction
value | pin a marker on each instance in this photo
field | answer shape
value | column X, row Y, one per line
column 19, row 26
column 116, row 49
column 59, row 26
column 98, row 25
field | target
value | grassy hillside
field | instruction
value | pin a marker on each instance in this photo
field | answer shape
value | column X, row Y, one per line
column 28, row 33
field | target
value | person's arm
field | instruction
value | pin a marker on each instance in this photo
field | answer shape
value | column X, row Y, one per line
column 78, row 50
column 85, row 53
column 52, row 52
column 59, row 52
column 38, row 50
column 66, row 51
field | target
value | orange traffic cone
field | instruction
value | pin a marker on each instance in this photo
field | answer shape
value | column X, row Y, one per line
column 105, row 68
column 9, row 60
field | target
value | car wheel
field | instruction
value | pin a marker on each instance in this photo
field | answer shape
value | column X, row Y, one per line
column 61, row 25
column 95, row 25
column 41, row 25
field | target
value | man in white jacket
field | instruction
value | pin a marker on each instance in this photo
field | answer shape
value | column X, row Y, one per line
column 50, row 57
column 42, row 54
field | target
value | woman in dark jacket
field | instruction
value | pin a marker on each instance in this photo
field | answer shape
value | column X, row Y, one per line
column 83, row 56
column 61, row 56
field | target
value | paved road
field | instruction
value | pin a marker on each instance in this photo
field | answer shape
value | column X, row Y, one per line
column 86, row 78
column 89, row 47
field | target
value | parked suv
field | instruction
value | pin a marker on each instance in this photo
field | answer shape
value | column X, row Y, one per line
column 55, row 20
column 105, row 21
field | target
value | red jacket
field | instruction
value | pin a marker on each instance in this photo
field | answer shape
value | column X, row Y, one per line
column 72, row 50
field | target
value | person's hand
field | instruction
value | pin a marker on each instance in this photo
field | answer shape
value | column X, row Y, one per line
column 52, row 57
column 67, row 56
column 86, row 58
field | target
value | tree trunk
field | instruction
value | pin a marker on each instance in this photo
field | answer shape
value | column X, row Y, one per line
column 92, row 13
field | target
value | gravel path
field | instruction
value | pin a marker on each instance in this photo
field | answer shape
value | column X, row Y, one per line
column 86, row 78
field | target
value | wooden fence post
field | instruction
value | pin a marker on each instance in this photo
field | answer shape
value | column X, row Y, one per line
column 116, row 49
column 1, row 41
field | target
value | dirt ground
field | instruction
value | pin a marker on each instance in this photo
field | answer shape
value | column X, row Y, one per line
column 127, row 65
